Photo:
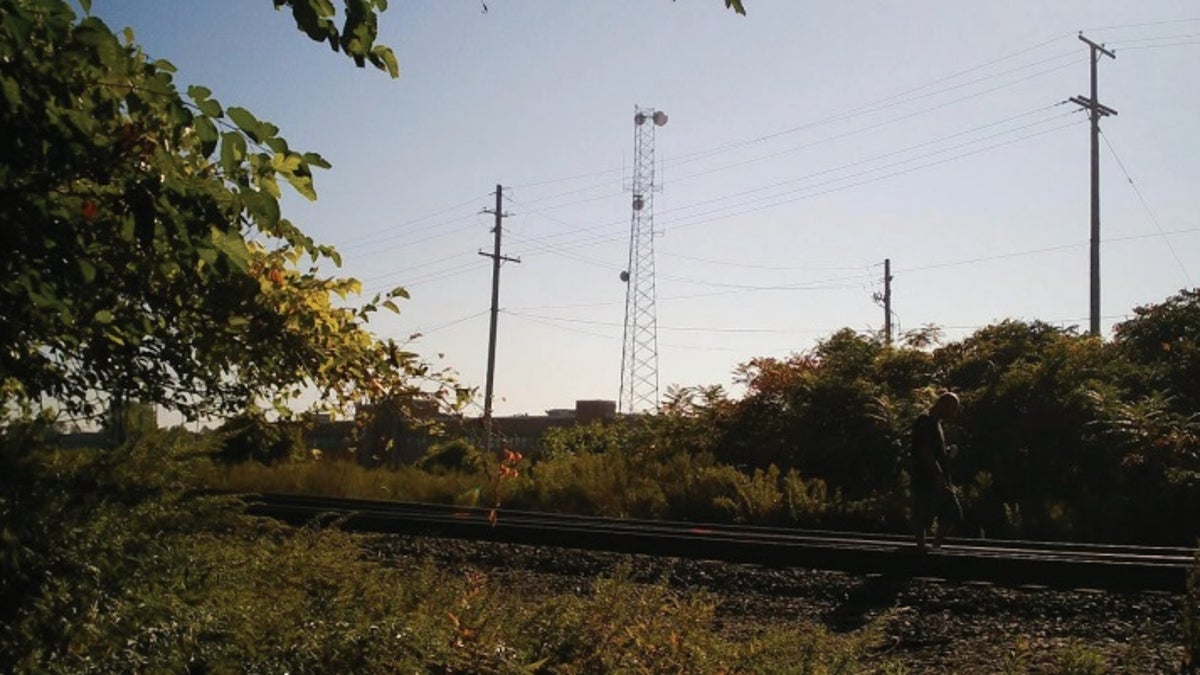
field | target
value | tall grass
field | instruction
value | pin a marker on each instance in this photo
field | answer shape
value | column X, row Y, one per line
column 121, row 572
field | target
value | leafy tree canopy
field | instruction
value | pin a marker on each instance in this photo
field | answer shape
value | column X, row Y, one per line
column 1165, row 339
column 147, row 258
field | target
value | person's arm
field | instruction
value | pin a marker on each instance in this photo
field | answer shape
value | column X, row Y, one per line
column 925, row 443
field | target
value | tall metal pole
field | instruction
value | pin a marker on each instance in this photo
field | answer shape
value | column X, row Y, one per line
column 1095, row 112
column 887, row 301
column 497, row 258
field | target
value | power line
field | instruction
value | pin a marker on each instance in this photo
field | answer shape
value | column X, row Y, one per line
column 893, row 153
column 887, row 122
column 408, row 270
column 874, row 106
column 448, row 324
column 377, row 250
column 603, row 238
column 772, row 268
column 1173, row 44
column 884, row 103
column 1159, row 38
column 846, row 115
column 392, row 231
column 1190, row 19
column 1146, row 206
column 701, row 220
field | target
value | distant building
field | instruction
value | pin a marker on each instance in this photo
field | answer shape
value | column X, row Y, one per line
column 392, row 439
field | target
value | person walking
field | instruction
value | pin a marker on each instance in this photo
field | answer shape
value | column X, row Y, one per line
column 934, row 498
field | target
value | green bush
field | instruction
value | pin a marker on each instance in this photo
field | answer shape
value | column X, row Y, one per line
column 251, row 437
column 123, row 573
column 455, row 455
column 613, row 484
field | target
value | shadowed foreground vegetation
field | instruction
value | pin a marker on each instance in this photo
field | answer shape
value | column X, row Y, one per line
column 111, row 564
column 108, row 567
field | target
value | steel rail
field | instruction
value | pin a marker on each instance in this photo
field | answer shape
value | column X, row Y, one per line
column 1053, row 564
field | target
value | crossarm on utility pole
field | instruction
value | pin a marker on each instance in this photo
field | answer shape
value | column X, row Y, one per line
column 497, row 258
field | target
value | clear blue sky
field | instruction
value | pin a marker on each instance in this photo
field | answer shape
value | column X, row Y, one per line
column 807, row 142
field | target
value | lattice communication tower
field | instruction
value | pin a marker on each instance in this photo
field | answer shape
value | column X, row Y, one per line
column 639, row 351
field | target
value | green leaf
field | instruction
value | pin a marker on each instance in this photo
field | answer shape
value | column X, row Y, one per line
column 210, row 107
column 248, row 123
column 199, row 93
column 88, row 270
column 128, row 33
column 263, row 207
column 313, row 159
column 286, row 163
column 391, row 305
column 86, row 5
column 208, row 256
column 12, row 92
column 206, row 131
column 302, row 184
column 104, row 316
column 383, row 56
column 233, row 152
column 234, row 248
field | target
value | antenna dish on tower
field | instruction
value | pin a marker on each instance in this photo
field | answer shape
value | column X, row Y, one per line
column 660, row 118
column 639, row 119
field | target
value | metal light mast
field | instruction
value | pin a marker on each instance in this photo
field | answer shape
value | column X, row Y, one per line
column 639, row 351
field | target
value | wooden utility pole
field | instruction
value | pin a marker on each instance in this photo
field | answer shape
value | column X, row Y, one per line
column 497, row 258
column 887, row 301
column 1095, row 112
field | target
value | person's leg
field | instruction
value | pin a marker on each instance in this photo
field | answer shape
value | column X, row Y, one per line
column 923, row 513
column 949, row 513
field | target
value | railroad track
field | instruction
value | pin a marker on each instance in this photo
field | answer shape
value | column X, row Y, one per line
column 1057, row 565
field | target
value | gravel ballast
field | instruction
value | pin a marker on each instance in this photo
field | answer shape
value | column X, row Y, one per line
column 929, row 625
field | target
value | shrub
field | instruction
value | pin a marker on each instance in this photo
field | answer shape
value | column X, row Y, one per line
column 250, row 437
column 805, row 500
column 455, row 455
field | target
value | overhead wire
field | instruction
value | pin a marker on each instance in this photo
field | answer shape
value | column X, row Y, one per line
column 547, row 247
column 607, row 237
column 701, row 220
column 887, row 102
column 1162, row 46
column 358, row 243
column 392, row 231
column 1164, row 22
column 448, row 324
column 1146, row 206
column 893, row 153
column 875, row 106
